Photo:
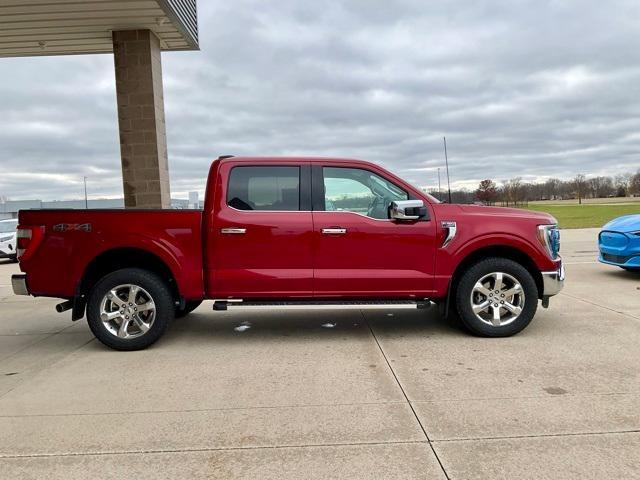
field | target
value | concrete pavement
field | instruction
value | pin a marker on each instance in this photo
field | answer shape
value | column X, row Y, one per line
column 383, row 394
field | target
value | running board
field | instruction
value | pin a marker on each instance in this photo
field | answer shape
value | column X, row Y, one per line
column 222, row 304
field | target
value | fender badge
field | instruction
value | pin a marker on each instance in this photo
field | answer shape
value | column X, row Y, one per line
column 451, row 229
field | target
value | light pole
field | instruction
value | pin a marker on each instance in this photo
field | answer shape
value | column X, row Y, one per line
column 439, row 192
column 86, row 201
column 446, row 160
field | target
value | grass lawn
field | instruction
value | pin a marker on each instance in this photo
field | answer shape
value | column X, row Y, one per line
column 584, row 216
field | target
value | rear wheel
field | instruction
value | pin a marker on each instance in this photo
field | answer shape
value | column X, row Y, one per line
column 496, row 297
column 129, row 309
column 189, row 306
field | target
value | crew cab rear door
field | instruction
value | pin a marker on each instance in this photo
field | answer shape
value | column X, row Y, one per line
column 259, row 241
column 358, row 251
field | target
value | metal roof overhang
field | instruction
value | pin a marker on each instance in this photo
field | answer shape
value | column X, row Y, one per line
column 63, row 27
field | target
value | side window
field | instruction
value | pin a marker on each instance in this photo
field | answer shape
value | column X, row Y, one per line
column 360, row 191
column 264, row 188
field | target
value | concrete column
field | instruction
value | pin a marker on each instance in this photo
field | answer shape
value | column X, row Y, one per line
column 143, row 140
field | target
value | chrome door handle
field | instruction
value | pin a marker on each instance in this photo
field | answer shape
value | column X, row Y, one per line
column 334, row 231
column 240, row 231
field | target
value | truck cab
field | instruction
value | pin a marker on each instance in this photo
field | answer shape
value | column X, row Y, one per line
column 315, row 229
column 294, row 233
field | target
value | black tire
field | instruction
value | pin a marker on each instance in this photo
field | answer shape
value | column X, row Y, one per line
column 189, row 306
column 475, row 273
column 631, row 269
column 156, row 289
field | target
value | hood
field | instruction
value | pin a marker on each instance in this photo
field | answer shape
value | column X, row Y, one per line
column 509, row 212
column 624, row 224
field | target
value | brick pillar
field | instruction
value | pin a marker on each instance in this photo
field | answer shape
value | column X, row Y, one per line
column 143, row 141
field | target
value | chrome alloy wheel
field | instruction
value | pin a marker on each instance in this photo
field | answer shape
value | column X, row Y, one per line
column 497, row 299
column 127, row 311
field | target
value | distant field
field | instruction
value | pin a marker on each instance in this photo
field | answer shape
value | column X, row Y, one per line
column 586, row 215
column 588, row 201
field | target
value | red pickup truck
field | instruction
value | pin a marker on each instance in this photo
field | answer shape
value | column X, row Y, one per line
column 291, row 232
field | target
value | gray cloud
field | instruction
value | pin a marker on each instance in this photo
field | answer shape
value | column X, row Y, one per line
column 525, row 88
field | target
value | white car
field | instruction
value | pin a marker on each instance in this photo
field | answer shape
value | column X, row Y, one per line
column 8, row 238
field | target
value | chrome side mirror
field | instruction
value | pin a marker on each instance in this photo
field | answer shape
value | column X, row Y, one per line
column 407, row 210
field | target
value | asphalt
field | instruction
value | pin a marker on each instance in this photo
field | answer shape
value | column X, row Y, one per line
column 383, row 394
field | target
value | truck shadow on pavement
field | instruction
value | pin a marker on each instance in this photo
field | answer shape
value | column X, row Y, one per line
column 329, row 325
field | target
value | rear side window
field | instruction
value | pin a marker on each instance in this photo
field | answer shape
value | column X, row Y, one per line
column 264, row 188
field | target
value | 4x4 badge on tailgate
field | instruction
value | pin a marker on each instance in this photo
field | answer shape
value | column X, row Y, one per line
column 71, row 227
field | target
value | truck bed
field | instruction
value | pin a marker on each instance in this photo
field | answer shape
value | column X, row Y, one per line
column 74, row 239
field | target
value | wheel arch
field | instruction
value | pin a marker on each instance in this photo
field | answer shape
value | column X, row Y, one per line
column 499, row 251
column 116, row 259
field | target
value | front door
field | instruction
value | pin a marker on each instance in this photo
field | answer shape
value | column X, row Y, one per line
column 359, row 252
column 259, row 243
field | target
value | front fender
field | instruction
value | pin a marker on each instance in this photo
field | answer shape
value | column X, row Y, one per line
column 496, row 240
column 448, row 259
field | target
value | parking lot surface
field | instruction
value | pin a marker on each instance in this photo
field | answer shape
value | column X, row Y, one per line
column 382, row 394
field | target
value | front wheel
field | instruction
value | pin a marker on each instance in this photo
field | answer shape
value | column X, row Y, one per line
column 496, row 297
column 129, row 309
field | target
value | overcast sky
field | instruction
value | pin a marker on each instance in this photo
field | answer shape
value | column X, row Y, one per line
column 520, row 88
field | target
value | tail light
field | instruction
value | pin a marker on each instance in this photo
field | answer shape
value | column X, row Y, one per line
column 28, row 239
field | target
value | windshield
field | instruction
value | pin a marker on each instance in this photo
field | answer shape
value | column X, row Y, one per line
column 431, row 198
column 8, row 227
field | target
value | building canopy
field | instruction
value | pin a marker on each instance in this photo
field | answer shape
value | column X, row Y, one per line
column 59, row 27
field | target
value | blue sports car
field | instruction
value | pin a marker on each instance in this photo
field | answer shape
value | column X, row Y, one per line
column 619, row 242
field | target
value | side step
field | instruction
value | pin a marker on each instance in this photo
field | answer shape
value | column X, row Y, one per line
column 222, row 304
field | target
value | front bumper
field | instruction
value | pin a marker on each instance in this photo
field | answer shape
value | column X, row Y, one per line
column 631, row 261
column 552, row 282
column 619, row 249
column 19, row 284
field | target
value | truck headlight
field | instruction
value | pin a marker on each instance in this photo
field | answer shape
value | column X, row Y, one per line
column 549, row 238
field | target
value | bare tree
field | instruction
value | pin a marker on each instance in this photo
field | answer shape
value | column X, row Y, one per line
column 579, row 184
column 600, row 187
column 621, row 183
column 634, row 184
column 512, row 191
column 552, row 189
